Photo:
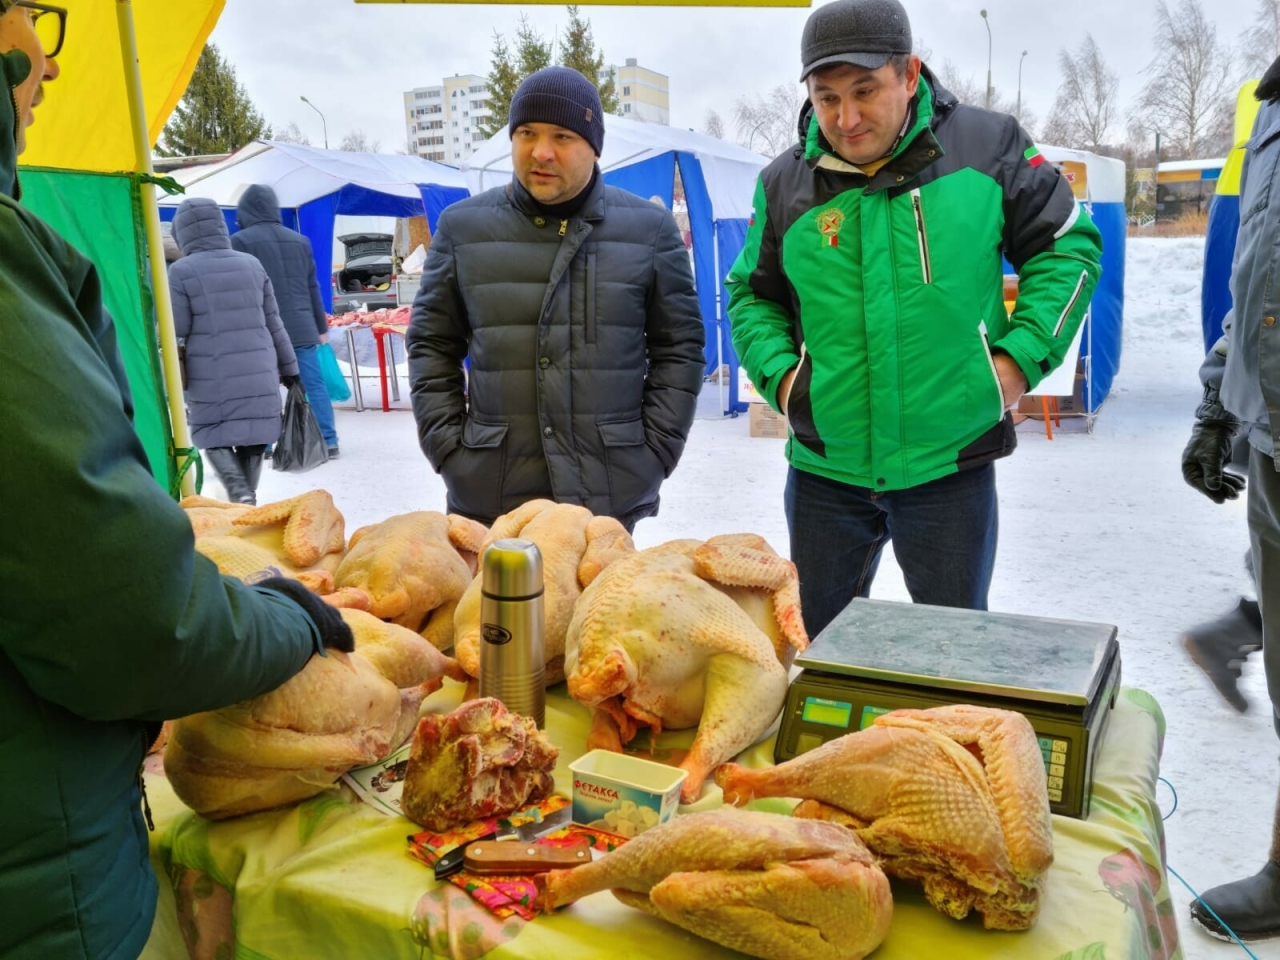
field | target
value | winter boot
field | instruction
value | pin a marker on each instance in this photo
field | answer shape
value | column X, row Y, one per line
column 1220, row 647
column 227, row 466
column 1250, row 907
column 251, row 465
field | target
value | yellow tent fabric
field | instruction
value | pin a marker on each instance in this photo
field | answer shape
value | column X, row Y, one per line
column 84, row 122
column 1246, row 113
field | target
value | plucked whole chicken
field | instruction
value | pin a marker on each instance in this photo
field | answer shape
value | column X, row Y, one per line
column 298, row 537
column 414, row 567
column 339, row 712
column 479, row 761
column 688, row 634
column 954, row 797
column 575, row 547
column 771, row 886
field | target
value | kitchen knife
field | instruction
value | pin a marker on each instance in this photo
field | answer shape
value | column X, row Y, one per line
column 523, row 859
column 452, row 862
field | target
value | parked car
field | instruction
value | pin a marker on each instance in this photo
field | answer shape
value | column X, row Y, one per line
column 368, row 274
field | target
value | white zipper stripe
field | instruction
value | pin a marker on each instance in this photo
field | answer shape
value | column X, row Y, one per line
column 1071, row 304
column 1071, row 222
column 991, row 362
column 922, row 241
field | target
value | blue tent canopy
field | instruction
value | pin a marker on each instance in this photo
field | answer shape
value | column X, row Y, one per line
column 315, row 186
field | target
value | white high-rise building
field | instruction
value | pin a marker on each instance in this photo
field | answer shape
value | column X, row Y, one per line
column 642, row 93
column 443, row 123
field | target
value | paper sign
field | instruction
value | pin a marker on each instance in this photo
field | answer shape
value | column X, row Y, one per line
column 625, row 3
column 380, row 784
column 1077, row 174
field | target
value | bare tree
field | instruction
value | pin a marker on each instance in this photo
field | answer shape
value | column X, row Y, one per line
column 968, row 90
column 357, row 142
column 1189, row 79
column 768, row 124
column 1085, row 107
column 713, row 125
column 1261, row 44
column 292, row 134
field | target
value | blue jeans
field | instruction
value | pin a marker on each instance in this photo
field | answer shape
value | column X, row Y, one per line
column 317, row 393
column 943, row 532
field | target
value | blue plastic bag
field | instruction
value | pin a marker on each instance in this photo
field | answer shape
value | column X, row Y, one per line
column 335, row 384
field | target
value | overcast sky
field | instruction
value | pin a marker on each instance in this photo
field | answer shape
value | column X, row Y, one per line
column 354, row 61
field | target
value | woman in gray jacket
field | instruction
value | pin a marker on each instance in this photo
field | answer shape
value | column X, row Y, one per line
column 237, row 351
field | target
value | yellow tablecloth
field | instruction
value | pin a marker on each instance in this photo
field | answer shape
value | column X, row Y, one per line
column 329, row 879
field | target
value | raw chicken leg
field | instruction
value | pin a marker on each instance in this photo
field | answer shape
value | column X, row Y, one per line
column 954, row 797
column 770, row 886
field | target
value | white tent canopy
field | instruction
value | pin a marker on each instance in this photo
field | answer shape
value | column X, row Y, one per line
column 730, row 170
column 301, row 174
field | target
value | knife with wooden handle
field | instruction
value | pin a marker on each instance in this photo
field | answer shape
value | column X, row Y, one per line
column 522, row 859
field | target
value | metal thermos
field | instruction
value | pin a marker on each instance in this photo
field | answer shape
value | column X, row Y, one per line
column 512, row 658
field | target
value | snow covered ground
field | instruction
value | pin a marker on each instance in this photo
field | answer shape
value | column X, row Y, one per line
column 1093, row 527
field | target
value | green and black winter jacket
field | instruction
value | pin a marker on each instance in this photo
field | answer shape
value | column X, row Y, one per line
column 108, row 616
column 887, row 292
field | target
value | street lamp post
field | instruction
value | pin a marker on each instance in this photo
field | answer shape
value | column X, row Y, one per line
column 987, row 22
column 1020, row 59
column 324, row 125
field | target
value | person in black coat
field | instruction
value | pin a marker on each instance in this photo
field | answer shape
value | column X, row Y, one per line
column 575, row 303
column 289, row 262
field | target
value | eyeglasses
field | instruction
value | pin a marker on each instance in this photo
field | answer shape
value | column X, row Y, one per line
column 50, row 24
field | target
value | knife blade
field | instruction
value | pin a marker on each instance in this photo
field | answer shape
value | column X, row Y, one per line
column 453, row 861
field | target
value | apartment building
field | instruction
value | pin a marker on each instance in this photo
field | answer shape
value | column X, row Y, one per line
column 642, row 93
column 443, row 123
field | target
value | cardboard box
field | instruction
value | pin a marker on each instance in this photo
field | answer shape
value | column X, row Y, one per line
column 766, row 422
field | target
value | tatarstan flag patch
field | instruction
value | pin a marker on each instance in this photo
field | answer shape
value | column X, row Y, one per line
column 1034, row 156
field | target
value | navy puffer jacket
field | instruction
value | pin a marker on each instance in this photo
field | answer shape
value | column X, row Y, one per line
column 236, row 347
column 287, row 258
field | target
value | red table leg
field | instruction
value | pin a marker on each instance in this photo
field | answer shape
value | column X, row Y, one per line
column 378, row 336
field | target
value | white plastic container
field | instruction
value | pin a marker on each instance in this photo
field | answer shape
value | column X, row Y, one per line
column 623, row 794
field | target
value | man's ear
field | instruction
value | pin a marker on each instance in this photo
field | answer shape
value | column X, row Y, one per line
column 913, row 75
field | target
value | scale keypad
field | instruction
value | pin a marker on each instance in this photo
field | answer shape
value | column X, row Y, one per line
column 1054, row 752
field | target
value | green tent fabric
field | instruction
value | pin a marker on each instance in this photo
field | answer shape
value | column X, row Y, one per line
column 101, row 215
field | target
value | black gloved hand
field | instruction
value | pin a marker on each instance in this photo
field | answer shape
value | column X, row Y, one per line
column 289, row 381
column 1206, row 455
column 334, row 632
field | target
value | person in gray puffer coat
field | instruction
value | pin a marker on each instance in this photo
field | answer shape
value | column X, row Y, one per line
column 574, row 302
column 286, row 256
column 237, row 351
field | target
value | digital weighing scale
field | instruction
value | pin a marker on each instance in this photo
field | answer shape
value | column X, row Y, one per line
column 878, row 656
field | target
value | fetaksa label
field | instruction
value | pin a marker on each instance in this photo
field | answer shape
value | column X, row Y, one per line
column 595, row 790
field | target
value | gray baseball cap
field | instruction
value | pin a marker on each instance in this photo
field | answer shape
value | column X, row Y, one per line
column 862, row 33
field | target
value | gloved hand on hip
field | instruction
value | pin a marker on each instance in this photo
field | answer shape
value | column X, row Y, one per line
column 333, row 630
column 1205, row 457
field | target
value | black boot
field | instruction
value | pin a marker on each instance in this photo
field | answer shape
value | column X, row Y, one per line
column 226, row 465
column 1220, row 647
column 1250, row 907
column 251, row 465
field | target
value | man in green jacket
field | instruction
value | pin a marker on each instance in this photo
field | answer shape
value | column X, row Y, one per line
column 867, row 305
column 109, row 619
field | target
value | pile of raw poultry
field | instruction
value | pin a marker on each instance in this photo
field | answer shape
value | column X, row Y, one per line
column 689, row 634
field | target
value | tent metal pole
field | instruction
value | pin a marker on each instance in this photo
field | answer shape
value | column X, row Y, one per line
column 715, row 253
column 155, row 248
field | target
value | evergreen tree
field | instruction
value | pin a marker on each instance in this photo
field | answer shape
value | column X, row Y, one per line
column 508, row 68
column 215, row 115
column 503, row 80
column 578, row 52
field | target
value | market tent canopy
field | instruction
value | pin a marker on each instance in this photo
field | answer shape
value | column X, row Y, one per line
column 84, row 122
column 1099, row 183
column 314, row 186
column 719, row 181
column 1224, row 223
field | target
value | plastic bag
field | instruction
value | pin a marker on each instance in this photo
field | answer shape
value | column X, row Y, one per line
column 301, row 446
column 416, row 261
column 335, row 384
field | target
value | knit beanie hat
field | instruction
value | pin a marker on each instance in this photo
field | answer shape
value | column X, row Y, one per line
column 561, row 96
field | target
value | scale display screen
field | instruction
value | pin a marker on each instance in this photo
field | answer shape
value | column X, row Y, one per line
column 829, row 713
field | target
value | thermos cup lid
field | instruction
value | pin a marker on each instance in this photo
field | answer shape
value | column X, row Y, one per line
column 512, row 569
